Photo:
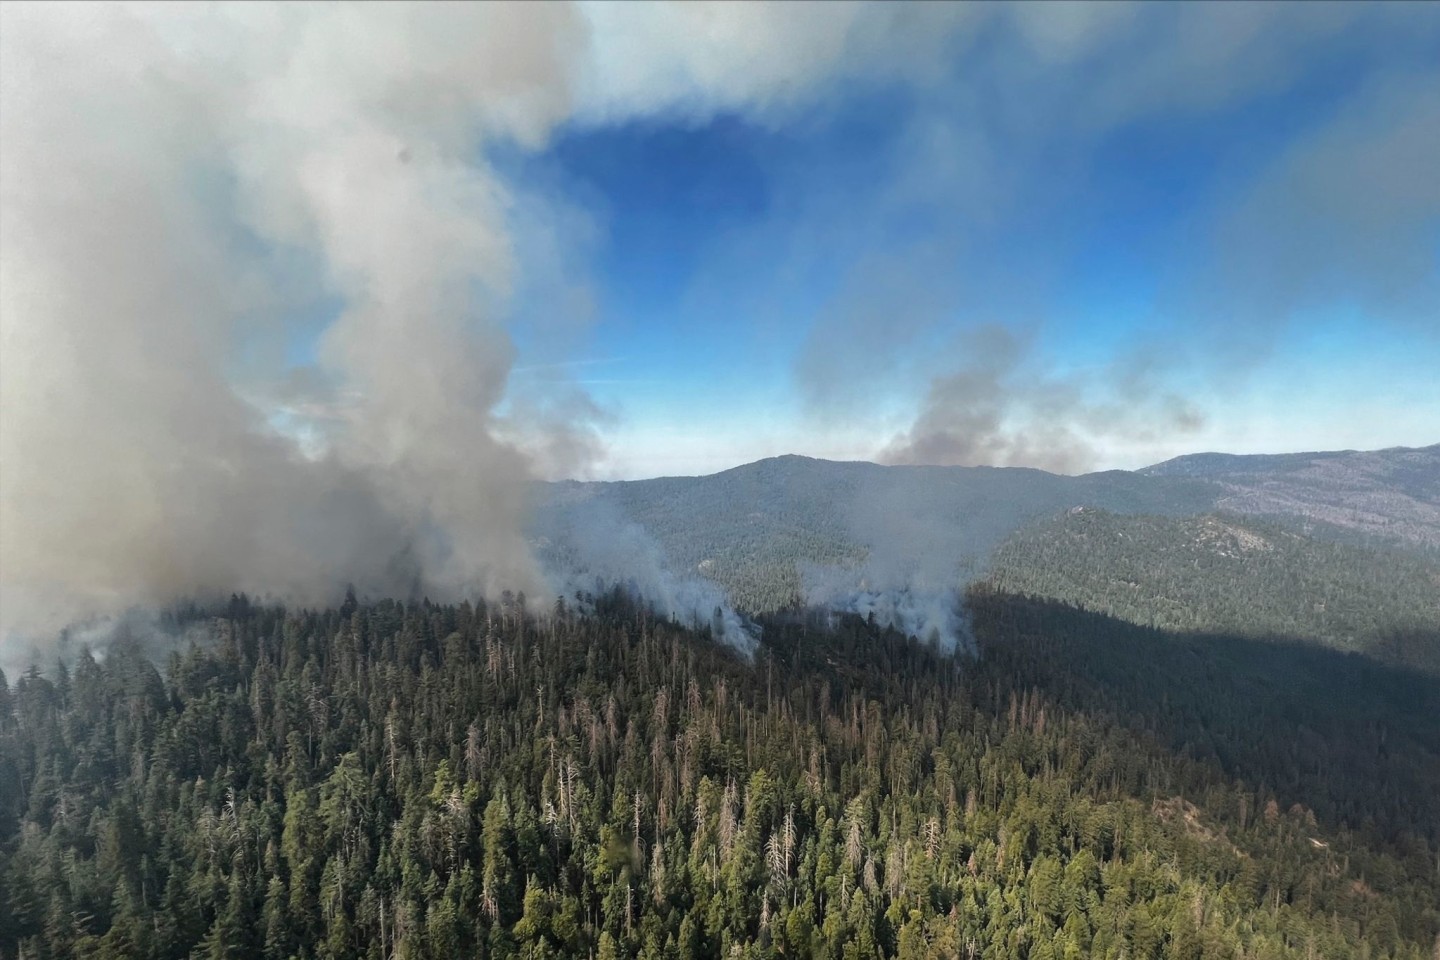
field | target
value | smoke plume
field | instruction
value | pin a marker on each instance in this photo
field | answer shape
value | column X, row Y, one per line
column 988, row 188
column 258, row 273
column 184, row 189
column 995, row 409
column 255, row 270
column 589, row 547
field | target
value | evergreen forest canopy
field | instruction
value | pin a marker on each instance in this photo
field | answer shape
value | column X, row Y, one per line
column 1200, row 717
column 1231, row 574
column 420, row 781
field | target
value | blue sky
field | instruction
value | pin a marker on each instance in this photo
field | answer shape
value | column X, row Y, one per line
column 795, row 279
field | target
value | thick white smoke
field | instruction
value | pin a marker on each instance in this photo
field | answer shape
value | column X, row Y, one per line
column 254, row 268
column 180, row 186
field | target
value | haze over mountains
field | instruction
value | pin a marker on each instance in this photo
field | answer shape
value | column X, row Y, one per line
column 1337, row 547
column 1390, row 495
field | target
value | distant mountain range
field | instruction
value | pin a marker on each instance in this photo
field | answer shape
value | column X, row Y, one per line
column 1382, row 495
column 1288, row 544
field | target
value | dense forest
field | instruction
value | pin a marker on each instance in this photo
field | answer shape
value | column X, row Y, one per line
column 1230, row 574
column 421, row 781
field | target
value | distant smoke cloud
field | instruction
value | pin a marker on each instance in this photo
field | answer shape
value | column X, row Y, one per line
column 997, row 409
column 969, row 417
column 765, row 58
column 985, row 192
column 1349, row 214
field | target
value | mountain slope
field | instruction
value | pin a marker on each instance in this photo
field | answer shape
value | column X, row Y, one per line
column 1230, row 574
column 1381, row 495
column 756, row 528
column 902, row 541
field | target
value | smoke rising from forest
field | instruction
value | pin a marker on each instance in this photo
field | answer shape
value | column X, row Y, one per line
column 592, row 547
column 995, row 409
column 190, row 191
column 257, row 266
column 181, row 186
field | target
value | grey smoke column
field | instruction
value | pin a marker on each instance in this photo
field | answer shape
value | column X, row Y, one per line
column 187, row 188
column 172, row 177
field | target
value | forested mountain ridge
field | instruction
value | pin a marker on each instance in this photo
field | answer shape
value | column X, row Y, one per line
column 1387, row 495
column 421, row 781
column 754, row 528
column 1137, row 759
column 1232, row 574
column 1363, row 578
